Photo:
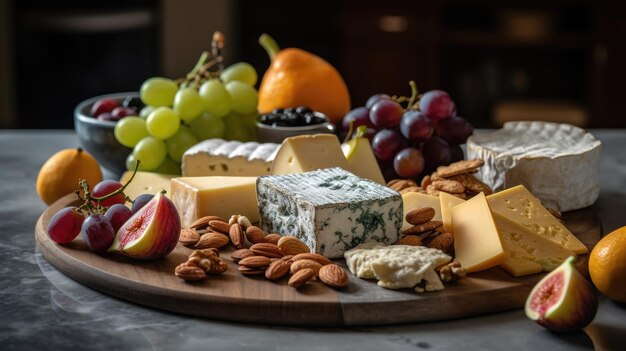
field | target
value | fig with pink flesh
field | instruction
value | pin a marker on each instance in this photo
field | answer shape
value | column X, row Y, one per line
column 563, row 301
column 150, row 233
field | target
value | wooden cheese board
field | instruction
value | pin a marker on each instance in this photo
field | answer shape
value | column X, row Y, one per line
column 234, row 297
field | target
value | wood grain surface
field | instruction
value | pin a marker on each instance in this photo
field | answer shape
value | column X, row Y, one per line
column 234, row 297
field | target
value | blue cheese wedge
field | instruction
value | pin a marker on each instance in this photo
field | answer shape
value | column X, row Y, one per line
column 331, row 210
column 397, row 266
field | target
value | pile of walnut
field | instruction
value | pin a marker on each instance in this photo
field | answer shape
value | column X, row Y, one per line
column 426, row 232
column 258, row 253
column 456, row 179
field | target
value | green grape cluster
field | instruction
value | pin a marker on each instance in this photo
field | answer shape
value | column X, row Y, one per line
column 179, row 114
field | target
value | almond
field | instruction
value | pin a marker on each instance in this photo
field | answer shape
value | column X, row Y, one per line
column 237, row 236
column 420, row 215
column 188, row 236
column 220, row 226
column 333, row 275
column 241, row 254
column 290, row 245
column 255, row 234
column 210, row 240
column 251, row 271
column 312, row 256
column 301, row 277
column 241, row 220
column 272, row 238
column 255, row 262
column 267, row 250
column 203, row 222
column 302, row 264
column 277, row 269
column 443, row 242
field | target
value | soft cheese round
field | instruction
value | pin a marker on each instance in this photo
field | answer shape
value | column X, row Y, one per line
column 558, row 163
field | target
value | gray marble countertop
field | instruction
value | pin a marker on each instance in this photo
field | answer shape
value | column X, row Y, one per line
column 41, row 309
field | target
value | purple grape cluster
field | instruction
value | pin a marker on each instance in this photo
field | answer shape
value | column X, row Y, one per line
column 408, row 142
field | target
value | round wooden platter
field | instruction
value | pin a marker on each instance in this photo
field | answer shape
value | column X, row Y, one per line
column 234, row 297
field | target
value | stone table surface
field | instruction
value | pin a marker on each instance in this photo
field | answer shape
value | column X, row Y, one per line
column 41, row 309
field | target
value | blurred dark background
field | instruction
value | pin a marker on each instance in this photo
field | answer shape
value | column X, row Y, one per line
column 560, row 60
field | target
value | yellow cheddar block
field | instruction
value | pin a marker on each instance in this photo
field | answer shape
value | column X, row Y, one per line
column 196, row 197
column 447, row 202
column 477, row 243
column 412, row 201
column 527, row 252
column 520, row 206
column 146, row 183
column 305, row 153
column 361, row 160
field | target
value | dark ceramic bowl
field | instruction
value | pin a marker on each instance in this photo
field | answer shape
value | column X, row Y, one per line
column 97, row 136
column 269, row 134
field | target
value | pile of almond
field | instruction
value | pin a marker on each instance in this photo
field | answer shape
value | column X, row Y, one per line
column 426, row 232
column 258, row 253
column 455, row 179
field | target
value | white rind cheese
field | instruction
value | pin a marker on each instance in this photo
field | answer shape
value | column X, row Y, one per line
column 558, row 163
column 397, row 266
column 331, row 210
column 218, row 157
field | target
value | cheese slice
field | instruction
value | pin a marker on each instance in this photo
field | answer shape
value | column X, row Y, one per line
column 306, row 153
column 196, row 197
column 146, row 183
column 447, row 202
column 477, row 244
column 520, row 206
column 559, row 163
column 413, row 200
column 526, row 251
column 361, row 160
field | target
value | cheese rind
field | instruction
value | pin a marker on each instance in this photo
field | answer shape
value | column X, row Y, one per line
column 196, row 197
column 447, row 202
column 331, row 210
column 526, row 251
column 305, row 153
column 361, row 160
column 477, row 244
column 520, row 206
column 218, row 157
column 146, row 183
column 550, row 159
column 413, row 200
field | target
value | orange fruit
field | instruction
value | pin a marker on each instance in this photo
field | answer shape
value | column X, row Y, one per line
column 300, row 78
column 607, row 265
column 60, row 174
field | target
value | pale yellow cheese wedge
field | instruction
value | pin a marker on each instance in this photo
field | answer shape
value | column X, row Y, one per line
column 361, row 160
column 146, row 183
column 520, row 206
column 447, row 202
column 477, row 244
column 305, row 153
column 527, row 252
column 196, row 197
column 413, row 200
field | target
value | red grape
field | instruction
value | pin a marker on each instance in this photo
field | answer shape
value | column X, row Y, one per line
column 140, row 201
column 106, row 187
column 374, row 99
column 102, row 106
column 121, row 112
column 455, row 130
column 456, row 153
column 118, row 214
column 65, row 225
column 106, row 117
column 436, row 152
column 409, row 162
column 387, row 143
column 437, row 104
column 360, row 116
column 386, row 114
column 415, row 126
column 97, row 232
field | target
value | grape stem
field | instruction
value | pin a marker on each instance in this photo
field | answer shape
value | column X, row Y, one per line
column 87, row 198
column 269, row 44
column 204, row 68
column 413, row 101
